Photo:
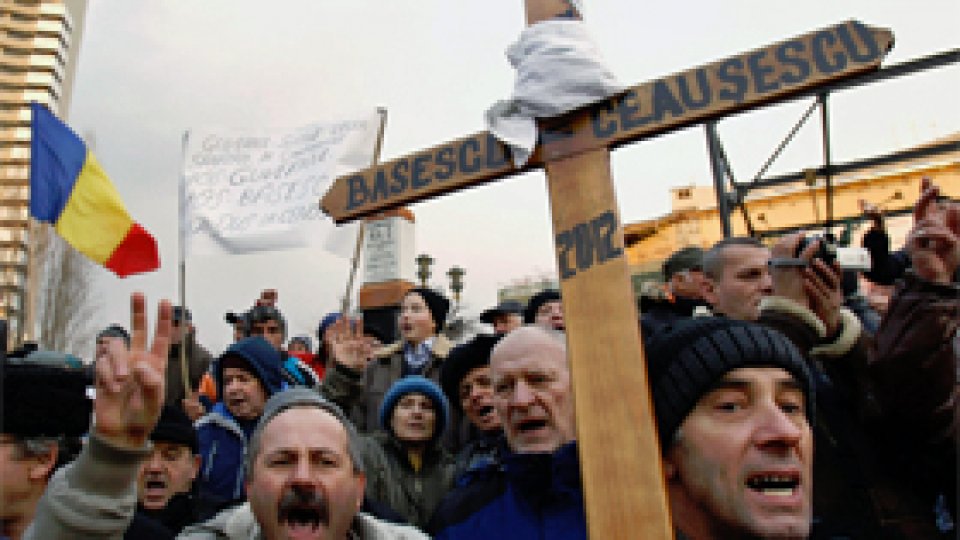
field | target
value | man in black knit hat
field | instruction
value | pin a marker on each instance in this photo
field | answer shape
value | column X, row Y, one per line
column 733, row 405
column 165, row 490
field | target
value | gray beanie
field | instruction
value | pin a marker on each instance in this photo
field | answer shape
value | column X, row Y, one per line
column 302, row 397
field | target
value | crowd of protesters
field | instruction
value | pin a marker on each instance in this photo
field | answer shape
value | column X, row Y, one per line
column 785, row 407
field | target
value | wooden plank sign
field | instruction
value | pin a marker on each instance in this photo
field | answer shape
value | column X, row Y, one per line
column 727, row 86
column 619, row 453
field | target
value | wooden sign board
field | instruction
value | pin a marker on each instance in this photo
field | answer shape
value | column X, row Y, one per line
column 693, row 96
column 623, row 486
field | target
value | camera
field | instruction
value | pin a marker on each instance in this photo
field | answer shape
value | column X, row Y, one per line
column 848, row 258
column 826, row 252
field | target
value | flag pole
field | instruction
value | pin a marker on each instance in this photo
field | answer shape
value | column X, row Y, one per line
column 355, row 261
column 181, row 263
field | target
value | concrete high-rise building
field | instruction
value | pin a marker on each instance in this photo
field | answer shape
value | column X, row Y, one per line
column 39, row 46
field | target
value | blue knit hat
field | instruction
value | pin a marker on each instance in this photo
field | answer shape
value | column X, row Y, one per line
column 420, row 385
column 264, row 361
column 326, row 322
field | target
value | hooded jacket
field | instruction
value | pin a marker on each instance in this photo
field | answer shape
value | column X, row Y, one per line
column 223, row 439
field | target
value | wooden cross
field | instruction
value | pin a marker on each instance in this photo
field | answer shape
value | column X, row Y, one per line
column 619, row 453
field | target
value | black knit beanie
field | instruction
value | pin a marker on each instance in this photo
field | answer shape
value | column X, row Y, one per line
column 688, row 359
column 436, row 303
column 175, row 427
column 462, row 358
column 537, row 300
column 43, row 400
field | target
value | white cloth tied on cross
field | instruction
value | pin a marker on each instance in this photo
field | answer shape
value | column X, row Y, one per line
column 559, row 69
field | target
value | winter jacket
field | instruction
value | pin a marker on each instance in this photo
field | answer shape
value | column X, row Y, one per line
column 887, row 267
column 531, row 496
column 856, row 493
column 240, row 524
column 198, row 361
column 361, row 393
column 312, row 361
column 223, row 445
column 296, row 372
column 842, row 506
column 392, row 480
column 143, row 527
column 182, row 509
column 657, row 313
column 914, row 374
column 92, row 498
column 479, row 454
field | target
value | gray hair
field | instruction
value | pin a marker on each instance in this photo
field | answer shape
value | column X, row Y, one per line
column 67, row 448
column 713, row 258
column 302, row 398
column 28, row 447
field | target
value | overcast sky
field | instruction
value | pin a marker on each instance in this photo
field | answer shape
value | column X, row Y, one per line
column 149, row 71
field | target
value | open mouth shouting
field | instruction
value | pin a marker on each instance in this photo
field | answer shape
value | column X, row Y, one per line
column 154, row 485
column 485, row 417
column 532, row 429
column 777, row 488
column 155, row 490
column 301, row 512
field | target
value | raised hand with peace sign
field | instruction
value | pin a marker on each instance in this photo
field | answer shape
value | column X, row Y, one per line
column 130, row 382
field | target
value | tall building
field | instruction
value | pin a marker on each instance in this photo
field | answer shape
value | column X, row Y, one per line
column 39, row 46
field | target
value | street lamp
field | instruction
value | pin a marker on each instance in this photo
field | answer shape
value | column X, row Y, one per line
column 423, row 268
column 456, row 282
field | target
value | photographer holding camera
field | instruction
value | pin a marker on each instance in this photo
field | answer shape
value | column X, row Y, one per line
column 796, row 288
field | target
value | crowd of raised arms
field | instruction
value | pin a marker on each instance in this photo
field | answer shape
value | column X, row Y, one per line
column 788, row 405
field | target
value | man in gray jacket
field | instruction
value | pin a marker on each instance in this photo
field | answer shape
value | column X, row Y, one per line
column 304, row 479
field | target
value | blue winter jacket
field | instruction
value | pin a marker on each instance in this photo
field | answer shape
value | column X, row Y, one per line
column 531, row 496
column 223, row 445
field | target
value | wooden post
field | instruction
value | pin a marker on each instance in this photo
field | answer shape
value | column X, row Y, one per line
column 620, row 468
column 619, row 455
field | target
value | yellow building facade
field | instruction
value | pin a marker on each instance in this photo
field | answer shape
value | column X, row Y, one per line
column 694, row 219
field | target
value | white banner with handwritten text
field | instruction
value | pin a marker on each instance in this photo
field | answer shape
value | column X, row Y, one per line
column 258, row 190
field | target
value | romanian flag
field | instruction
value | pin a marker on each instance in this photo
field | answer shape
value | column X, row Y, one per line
column 70, row 190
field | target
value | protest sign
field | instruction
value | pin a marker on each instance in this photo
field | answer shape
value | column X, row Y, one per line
column 247, row 190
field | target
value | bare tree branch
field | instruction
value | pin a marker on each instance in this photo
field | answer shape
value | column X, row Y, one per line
column 66, row 306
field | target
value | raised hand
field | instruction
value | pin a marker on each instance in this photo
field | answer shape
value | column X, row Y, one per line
column 871, row 212
column 788, row 280
column 192, row 406
column 934, row 241
column 350, row 348
column 130, row 383
column 817, row 286
column 823, row 285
